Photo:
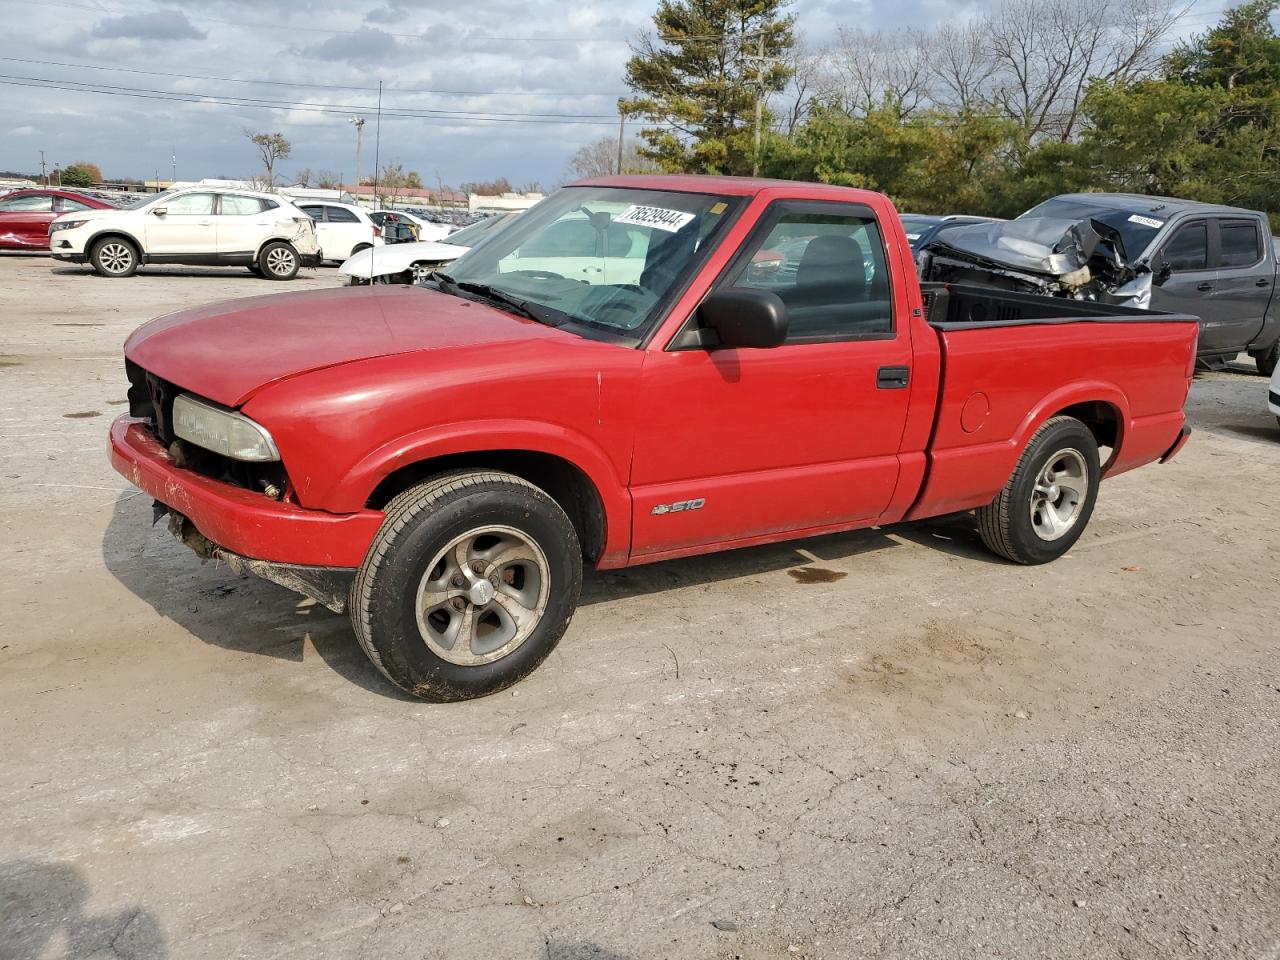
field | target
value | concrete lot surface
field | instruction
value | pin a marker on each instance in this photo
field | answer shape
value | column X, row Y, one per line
column 882, row 744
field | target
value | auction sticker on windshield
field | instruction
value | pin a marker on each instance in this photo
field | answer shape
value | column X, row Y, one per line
column 1146, row 221
column 656, row 217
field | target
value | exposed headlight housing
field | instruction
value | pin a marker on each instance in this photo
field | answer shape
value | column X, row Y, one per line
column 222, row 431
column 66, row 225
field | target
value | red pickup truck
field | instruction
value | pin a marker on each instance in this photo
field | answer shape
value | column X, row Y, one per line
column 636, row 369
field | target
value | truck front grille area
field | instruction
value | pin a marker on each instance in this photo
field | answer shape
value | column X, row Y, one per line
column 151, row 399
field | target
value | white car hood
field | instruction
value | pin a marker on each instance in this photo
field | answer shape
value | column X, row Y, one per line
column 395, row 258
column 94, row 214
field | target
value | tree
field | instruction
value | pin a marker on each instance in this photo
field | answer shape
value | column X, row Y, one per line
column 327, row 180
column 80, row 174
column 393, row 182
column 489, row 188
column 600, row 159
column 698, row 81
column 271, row 147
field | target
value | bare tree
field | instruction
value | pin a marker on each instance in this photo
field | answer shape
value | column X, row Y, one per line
column 963, row 65
column 1046, row 52
column 871, row 70
column 271, row 147
column 807, row 80
column 327, row 180
column 600, row 159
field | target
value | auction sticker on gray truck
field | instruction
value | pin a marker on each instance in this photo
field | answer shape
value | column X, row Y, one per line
column 657, row 217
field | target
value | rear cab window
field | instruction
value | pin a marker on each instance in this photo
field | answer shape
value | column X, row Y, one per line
column 1239, row 243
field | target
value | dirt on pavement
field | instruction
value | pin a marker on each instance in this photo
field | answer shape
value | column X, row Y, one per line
column 880, row 744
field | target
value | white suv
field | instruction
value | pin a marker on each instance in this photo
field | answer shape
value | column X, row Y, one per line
column 343, row 228
column 200, row 225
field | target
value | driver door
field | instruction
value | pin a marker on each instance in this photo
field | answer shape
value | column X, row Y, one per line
column 748, row 444
column 182, row 226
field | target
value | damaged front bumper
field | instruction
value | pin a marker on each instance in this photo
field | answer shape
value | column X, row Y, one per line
column 282, row 542
column 328, row 586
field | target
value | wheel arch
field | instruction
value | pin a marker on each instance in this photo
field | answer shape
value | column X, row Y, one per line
column 270, row 240
column 564, row 481
column 1100, row 406
column 118, row 234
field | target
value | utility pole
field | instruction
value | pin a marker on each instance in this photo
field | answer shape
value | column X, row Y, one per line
column 755, row 155
column 359, row 123
column 43, row 176
column 174, row 158
column 622, row 120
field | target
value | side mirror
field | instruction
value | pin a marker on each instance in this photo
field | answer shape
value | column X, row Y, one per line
column 159, row 211
column 745, row 317
column 1163, row 271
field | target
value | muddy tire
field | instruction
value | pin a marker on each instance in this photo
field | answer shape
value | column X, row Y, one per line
column 279, row 261
column 468, row 586
column 1047, row 503
column 114, row 257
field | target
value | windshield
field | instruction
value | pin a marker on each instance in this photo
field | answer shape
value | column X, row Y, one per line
column 1136, row 230
column 471, row 235
column 604, row 260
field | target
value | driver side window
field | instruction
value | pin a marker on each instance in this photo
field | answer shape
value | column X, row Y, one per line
column 1188, row 249
column 827, row 266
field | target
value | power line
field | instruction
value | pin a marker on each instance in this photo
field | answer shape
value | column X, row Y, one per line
column 309, row 85
column 196, row 96
column 339, row 110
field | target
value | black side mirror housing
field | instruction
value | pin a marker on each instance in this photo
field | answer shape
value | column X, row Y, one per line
column 745, row 317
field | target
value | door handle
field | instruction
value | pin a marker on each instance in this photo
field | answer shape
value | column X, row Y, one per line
column 893, row 378
column 1261, row 282
column 1204, row 286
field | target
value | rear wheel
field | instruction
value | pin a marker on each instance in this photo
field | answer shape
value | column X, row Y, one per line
column 1267, row 359
column 468, row 586
column 114, row 257
column 278, row 261
column 1045, row 506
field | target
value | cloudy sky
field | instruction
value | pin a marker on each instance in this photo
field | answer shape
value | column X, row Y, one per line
column 472, row 90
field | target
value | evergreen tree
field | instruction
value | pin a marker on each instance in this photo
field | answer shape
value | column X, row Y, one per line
column 697, row 82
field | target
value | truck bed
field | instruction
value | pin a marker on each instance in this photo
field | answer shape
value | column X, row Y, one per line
column 953, row 306
column 1009, row 360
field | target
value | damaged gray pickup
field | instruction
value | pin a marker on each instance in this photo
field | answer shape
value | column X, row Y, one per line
column 1215, row 262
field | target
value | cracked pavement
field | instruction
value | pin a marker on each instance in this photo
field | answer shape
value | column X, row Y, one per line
column 935, row 755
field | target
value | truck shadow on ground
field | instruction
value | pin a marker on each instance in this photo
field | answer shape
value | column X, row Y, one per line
column 1219, row 401
column 243, row 614
column 43, row 905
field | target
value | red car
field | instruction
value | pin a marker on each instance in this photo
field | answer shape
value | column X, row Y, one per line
column 25, row 215
column 443, row 460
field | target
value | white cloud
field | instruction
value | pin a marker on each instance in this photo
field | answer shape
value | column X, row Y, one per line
column 336, row 51
column 24, row 131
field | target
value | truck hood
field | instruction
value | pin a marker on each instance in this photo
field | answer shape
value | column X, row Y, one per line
column 228, row 351
column 1085, row 259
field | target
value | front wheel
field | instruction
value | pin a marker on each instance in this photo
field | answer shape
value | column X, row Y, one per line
column 468, row 586
column 114, row 257
column 278, row 261
column 1045, row 506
